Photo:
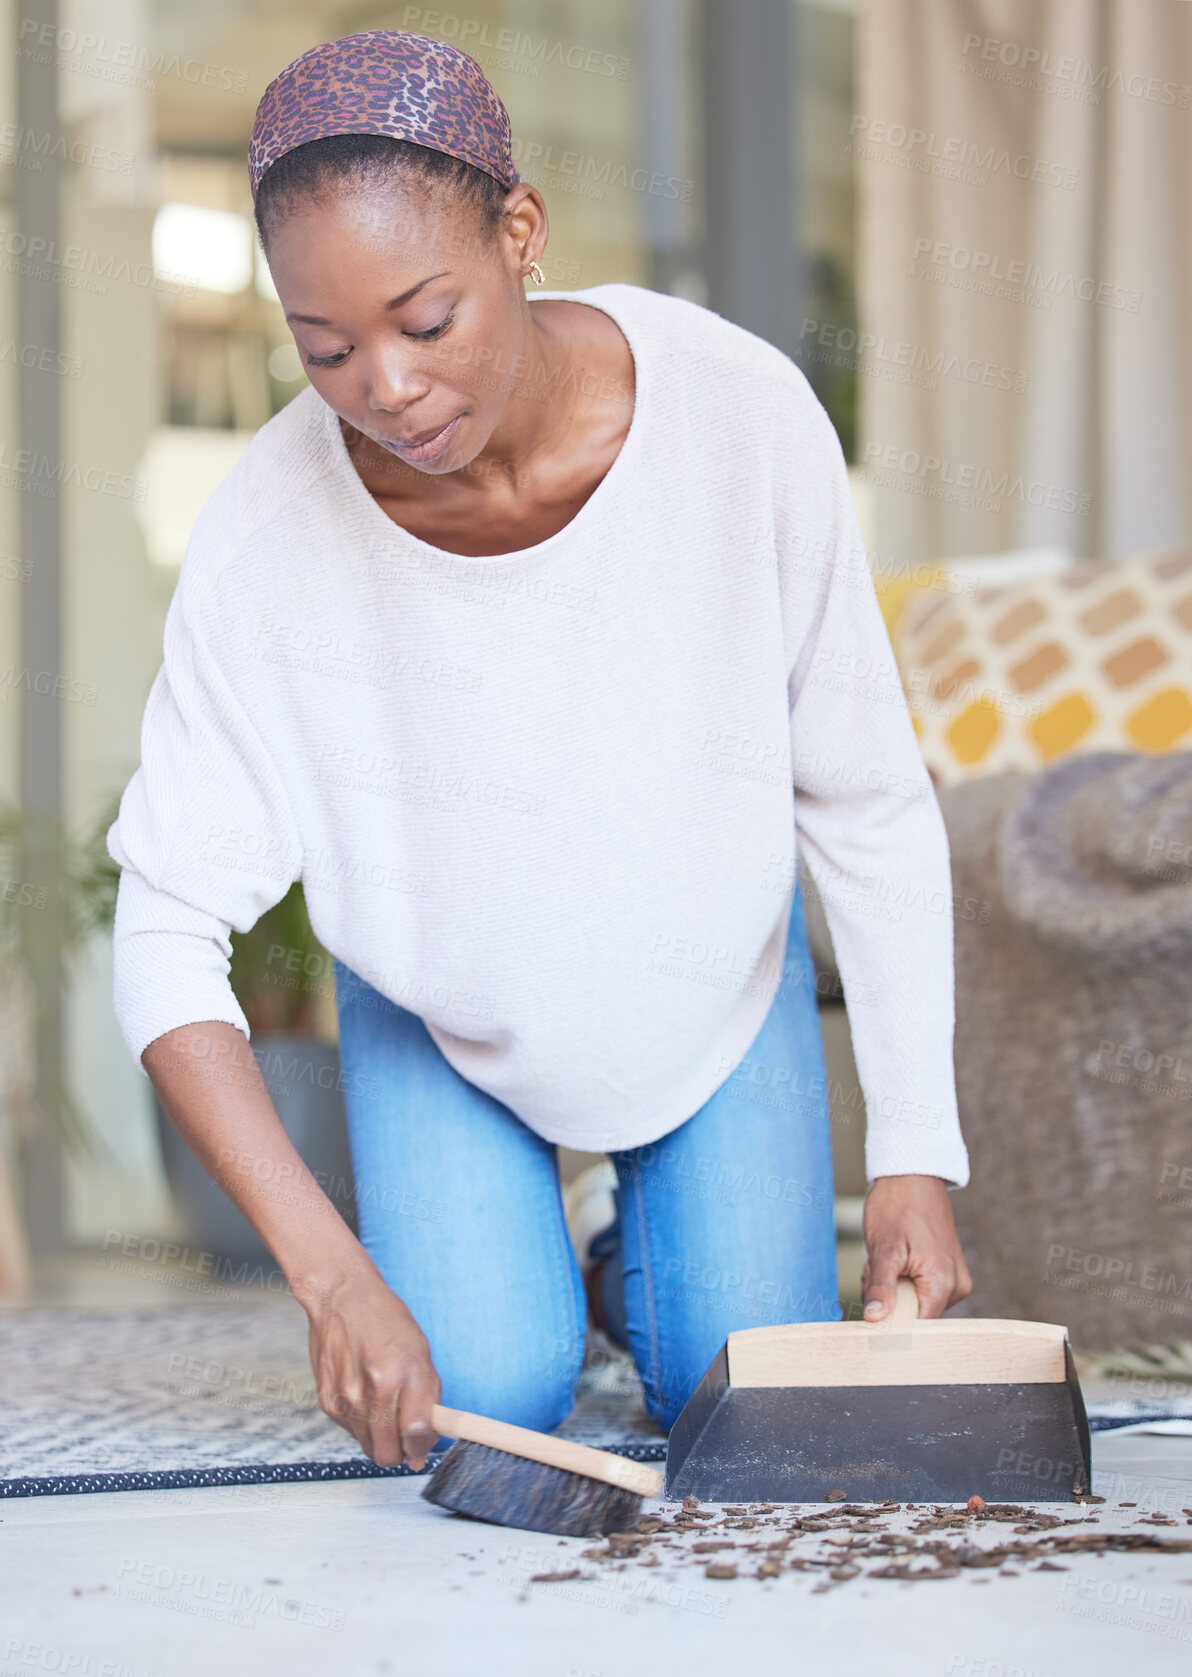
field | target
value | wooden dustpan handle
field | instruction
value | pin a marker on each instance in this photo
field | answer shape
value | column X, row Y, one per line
column 906, row 1307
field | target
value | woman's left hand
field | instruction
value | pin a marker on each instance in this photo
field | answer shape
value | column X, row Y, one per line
column 910, row 1230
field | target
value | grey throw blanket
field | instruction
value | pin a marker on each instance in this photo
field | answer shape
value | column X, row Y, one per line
column 1073, row 903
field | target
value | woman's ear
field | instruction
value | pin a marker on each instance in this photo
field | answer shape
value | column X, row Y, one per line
column 525, row 226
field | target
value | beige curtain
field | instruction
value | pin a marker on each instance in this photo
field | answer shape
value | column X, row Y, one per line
column 1025, row 285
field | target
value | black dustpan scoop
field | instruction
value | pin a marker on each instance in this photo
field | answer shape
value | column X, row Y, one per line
column 898, row 1410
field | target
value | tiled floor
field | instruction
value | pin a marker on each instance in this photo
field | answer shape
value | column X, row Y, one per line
column 366, row 1577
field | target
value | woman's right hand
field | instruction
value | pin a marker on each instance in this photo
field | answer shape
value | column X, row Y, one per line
column 373, row 1368
column 370, row 1357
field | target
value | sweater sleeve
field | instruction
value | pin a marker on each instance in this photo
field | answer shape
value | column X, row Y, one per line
column 868, row 825
column 205, row 836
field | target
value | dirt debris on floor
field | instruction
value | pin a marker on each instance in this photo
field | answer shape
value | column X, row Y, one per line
column 842, row 1541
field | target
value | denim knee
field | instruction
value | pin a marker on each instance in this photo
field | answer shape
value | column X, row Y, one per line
column 664, row 1406
column 535, row 1392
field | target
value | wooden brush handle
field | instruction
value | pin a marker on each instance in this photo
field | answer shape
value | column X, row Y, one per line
column 550, row 1451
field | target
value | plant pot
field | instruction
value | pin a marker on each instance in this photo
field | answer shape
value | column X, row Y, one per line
column 303, row 1079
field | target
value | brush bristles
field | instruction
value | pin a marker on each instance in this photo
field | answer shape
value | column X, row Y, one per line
column 507, row 1490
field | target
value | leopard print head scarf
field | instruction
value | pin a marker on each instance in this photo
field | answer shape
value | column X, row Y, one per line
column 385, row 81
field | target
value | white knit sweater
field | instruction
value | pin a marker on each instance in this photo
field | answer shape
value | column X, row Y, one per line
column 549, row 800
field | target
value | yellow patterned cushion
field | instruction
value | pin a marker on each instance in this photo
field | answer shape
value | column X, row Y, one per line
column 1098, row 658
column 894, row 592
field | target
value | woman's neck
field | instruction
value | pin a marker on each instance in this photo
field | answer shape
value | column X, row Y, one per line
column 563, row 426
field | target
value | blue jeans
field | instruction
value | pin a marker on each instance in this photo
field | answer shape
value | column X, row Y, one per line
column 724, row 1223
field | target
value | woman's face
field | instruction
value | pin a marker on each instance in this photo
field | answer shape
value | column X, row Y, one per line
column 408, row 314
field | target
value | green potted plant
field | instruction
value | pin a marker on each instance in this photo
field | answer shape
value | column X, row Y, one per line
column 280, row 974
column 69, row 887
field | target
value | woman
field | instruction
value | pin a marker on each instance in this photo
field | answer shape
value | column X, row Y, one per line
column 529, row 637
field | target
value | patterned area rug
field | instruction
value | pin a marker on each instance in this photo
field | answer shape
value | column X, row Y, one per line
column 151, row 1399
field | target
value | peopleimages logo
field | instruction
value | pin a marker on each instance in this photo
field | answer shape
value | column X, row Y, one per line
column 1122, row 1271
column 81, row 268
column 26, row 469
column 900, row 360
column 478, row 37
column 35, row 359
column 124, row 63
column 985, row 267
column 926, row 146
column 591, row 176
column 959, row 474
column 1039, row 64
column 30, row 148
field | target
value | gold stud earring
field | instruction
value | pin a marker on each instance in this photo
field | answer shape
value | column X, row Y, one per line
column 536, row 274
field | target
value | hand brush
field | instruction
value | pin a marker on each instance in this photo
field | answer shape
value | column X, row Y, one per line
column 514, row 1477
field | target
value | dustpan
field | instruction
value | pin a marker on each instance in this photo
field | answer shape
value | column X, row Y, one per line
column 902, row 1410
